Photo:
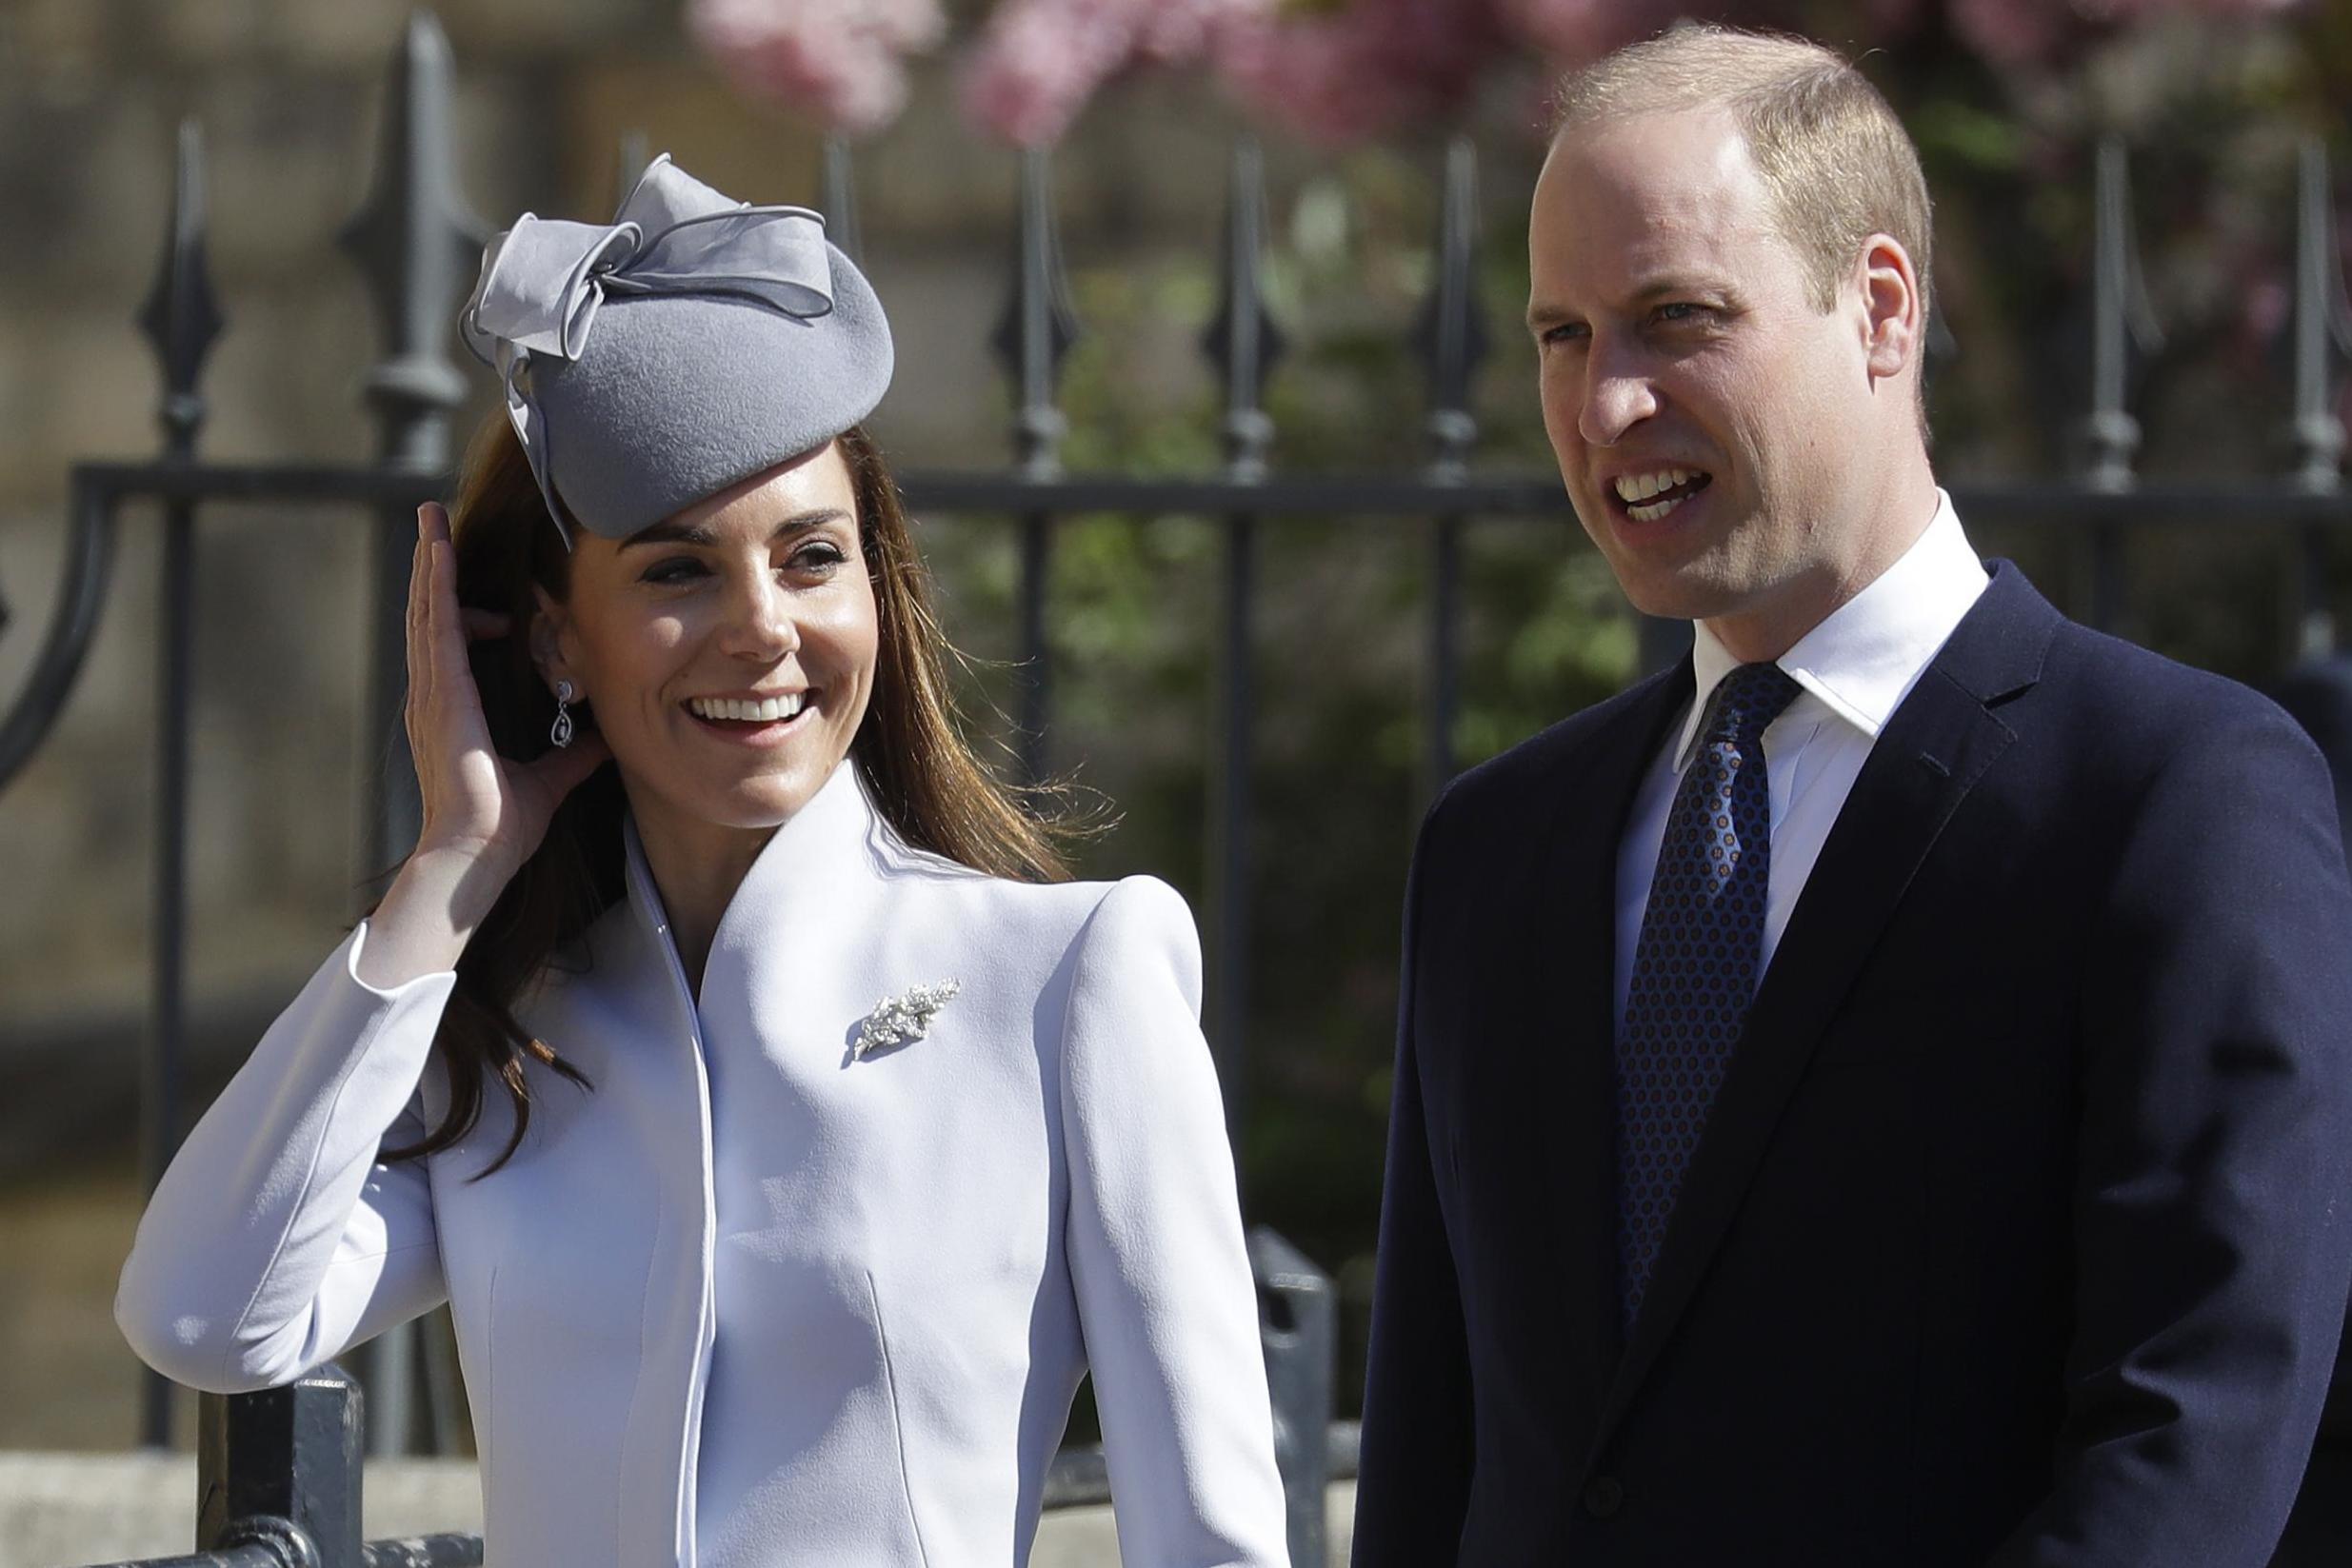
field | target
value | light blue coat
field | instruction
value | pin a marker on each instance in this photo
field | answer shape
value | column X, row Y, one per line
column 753, row 1300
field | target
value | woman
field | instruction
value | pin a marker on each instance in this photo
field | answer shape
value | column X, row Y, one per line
column 746, row 1267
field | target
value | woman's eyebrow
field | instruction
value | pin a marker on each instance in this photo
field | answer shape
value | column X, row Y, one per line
column 667, row 532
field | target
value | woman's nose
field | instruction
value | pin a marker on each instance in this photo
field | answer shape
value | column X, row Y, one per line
column 759, row 621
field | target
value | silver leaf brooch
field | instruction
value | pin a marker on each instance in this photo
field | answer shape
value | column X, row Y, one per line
column 897, row 1020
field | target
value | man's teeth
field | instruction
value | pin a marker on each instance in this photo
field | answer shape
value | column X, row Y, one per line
column 1634, row 488
column 765, row 711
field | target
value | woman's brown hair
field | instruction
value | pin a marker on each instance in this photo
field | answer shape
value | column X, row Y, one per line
column 922, row 777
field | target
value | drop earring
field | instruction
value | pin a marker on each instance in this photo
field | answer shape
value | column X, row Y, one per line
column 560, row 731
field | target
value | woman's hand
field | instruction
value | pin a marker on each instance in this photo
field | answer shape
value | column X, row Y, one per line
column 477, row 804
column 484, row 813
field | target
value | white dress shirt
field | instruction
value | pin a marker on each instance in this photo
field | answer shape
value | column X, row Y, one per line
column 756, row 1300
column 1852, row 670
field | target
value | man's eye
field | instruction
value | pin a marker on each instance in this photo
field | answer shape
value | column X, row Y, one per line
column 1679, row 311
column 1571, row 331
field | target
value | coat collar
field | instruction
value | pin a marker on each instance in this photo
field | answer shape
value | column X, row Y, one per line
column 835, row 840
column 1936, row 746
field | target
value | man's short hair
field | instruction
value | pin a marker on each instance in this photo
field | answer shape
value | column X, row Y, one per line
column 1836, row 161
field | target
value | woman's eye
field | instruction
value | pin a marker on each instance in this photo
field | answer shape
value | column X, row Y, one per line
column 817, row 556
column 677, row 569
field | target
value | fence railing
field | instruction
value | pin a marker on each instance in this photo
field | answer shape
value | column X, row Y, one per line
column 279, row 1474
column 413, row 238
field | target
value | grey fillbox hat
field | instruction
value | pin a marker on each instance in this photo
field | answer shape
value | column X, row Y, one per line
column 691, row 342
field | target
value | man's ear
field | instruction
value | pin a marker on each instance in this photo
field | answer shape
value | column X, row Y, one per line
column 550, row 638
column 1894, row 315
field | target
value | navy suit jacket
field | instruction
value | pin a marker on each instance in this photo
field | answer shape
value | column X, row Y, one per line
column 2019, row 1234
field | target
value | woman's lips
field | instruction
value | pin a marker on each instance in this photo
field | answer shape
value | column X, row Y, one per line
column 757, row 732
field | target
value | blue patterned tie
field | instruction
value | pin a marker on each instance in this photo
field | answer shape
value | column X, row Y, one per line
column 1694, row 969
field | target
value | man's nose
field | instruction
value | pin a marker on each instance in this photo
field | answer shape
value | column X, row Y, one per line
column 1618, row 396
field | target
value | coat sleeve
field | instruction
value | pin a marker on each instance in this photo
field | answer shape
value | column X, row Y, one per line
column 2212, row 1248
column 1164, row 1295
column 277, row 1240
column 1413, row 1477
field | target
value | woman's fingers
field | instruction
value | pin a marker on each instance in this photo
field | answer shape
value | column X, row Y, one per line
column 420, row 673
column 452, row 676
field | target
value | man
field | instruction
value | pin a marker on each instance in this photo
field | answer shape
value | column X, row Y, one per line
column 1877, row 1092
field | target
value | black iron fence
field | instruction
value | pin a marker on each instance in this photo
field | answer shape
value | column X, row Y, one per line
column 415, row 241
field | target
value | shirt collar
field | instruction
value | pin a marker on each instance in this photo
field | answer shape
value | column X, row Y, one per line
column 1865, row 657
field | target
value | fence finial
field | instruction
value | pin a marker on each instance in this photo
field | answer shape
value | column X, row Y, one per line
column 634, row 152
column 1451, row 334
column 1243, row 340
column 419, row 248
column 2122, row 320
column 2323, row 325
column 1038, row 327
column 182, row 317
column 840, row 199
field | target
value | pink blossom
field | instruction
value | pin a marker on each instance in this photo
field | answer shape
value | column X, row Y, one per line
column 1341, row 76
column 1039, row 61
column 839, row 61
column 1179, row 32
column 1570, row 31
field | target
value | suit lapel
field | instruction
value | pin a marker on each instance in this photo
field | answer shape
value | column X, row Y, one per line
column 1935, row 747
column 1573, row 1017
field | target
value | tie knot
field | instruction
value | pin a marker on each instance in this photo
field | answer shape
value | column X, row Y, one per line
column 1748, row 700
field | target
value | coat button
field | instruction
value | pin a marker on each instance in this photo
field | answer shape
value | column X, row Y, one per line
column 1603, row 1495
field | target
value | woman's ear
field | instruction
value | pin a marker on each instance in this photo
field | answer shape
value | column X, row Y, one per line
column 550, row 635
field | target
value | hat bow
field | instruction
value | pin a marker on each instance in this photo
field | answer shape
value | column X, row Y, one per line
column 544, row 280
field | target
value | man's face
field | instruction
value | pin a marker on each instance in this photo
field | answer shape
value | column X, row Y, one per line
column 1708, row 419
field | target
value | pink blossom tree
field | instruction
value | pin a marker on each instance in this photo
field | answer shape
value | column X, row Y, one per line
column 841, row 61
column 1336, row 70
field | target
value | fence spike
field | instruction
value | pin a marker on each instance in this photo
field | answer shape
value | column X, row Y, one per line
column 2122, row 320
column 635, row 152
column 2322, row 324
column 418, row 246
column 840, row 200
column 1451, row 334
column 1039, row 328
column 182, row 316
column 1242, row 340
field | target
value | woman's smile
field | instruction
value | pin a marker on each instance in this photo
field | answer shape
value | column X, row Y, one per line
column 756, row 719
